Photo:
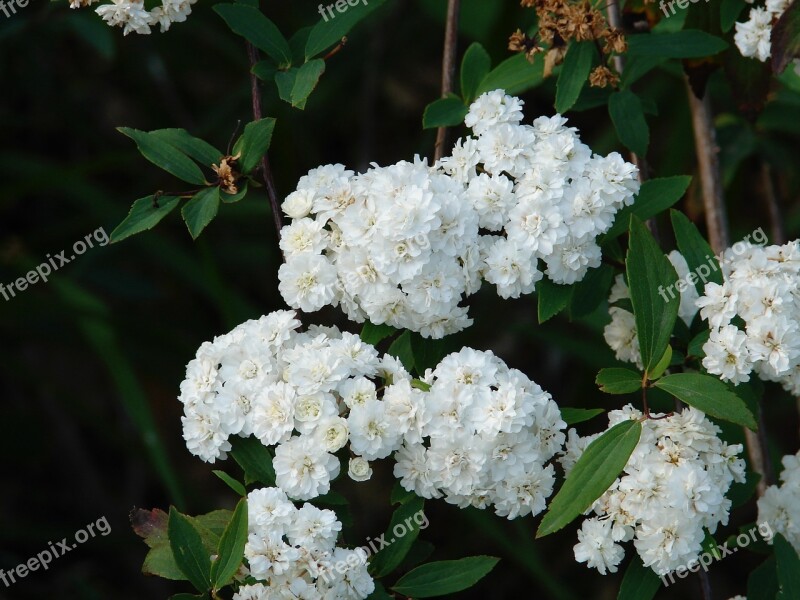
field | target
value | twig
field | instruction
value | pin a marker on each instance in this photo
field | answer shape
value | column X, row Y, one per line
column 615, row 20
column 773, row 207
column 705, row 585
column 448, row 66
column 266, row 170
column 717, row 225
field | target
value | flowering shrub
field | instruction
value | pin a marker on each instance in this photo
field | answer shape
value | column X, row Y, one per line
column 403, row 250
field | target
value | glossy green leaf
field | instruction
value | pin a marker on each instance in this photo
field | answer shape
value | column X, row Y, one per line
column 165, row 156
column 625, row 109
column 444, row 577
column 373, row 334
column 236, row 486
column 618, row 380
column 639, row 582
column 332, row 28
column 252, row 25
column 514, row 75
column 230, row 552
column 402, row 350
column 254, row 458
column 572, row 416
column 688, row 43
column 661, row 365
column 187, row 547
column 592, row 475
column 729, row 12
column 475, row 67
column 710, row 395
column 296, row 84
column 407, row 520
column 145, row 214
column 763, row 581
column 201, row 210
column 649, row 271
column 703, row 264
column 254, row 143
column 654, row 197
column 193, row 147
column 574, row 74
column 444, row 112
column 553, row 298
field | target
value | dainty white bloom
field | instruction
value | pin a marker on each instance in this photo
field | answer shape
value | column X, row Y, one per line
column 406, row 244
column 780, row 505
column 359, row 469
column 294, row 555
column 132, row 15
column 760, row 287
column 672, row 487
column 754, row 36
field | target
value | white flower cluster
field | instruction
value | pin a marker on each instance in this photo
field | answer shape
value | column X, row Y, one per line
column 291, row 550
column 481, row 437
column 132, row 15
column 753, row 37
column 780, row 505
column 266, row 379
column 673, row 486
column 620, row 334
column 762, row 288
column 405, row 244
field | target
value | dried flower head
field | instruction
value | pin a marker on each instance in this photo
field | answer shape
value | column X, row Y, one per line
column 226, row 174
column 602, row 76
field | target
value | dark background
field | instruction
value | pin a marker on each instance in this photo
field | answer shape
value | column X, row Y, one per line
column 92, row 360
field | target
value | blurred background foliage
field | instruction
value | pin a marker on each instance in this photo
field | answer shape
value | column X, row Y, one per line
column 92, row 360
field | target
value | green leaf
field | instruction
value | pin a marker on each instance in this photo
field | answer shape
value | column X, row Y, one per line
column 144, row 214
column 380, row 593
column 427, row 352
column 330, row 30
column 420, row 385
column 230, row 551
column 400, row 495
column 444, row 577
column 254, row 143
column 296, row 84
column 233, row 198
column 649, row 272
column 763, row 581
column 188, row 597
column 254, row 458
column 553, row 298
column 639, row 582
column 595, row 471
column 187, row 547
column 695, row 347
column 639, row 66
column 627, row 114
column 252, row 25
column 661, row 366
column 591, row 291
column 655, row 196
column 201, row 210
column 574, row 74
column 785, row 38
column 474, row 68
column 788, row 567
column 231, row 482
column 710, row 395
column 401, row 349
column 689, row 43
column 444, row 112
column 617, row 380
column 514, row 75
column 571, row 416
column 373, row 334
column 165, row 156
column 265, row 70
column 703, row 265
column 193, row 147
column 710, row 545
column 729, row 12
column 404, row 519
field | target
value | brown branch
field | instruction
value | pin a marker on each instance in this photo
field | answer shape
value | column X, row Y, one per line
column 717, row 225
column 448, row 67
column 266, row 170
column 615, row 20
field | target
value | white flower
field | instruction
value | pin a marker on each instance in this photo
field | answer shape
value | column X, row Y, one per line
column 303, row 470
column 307, row 282
column 359, row 469
column 596, row 547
